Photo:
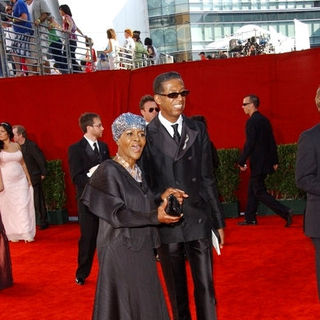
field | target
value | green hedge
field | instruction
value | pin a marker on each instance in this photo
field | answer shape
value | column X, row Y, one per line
column 228, row 175
column 281, row 184
column 54, row 186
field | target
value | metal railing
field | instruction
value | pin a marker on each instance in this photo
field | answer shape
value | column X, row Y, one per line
column 41, row 50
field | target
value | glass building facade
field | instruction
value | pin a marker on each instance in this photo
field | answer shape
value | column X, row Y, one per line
column 183, row 28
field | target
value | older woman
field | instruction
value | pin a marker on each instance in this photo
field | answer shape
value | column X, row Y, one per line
column 16, row 199
column 128, row 286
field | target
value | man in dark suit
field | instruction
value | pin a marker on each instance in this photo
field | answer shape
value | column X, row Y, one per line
column 261, row 148
column 84, row 158
column 308, row 179
column 36, row 165
column 178, row 154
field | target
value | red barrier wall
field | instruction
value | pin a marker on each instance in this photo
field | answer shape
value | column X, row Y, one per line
column 49, row 106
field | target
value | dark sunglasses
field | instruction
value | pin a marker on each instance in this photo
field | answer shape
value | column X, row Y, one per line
column 245, row 104
column 151, row 109
column 174, row 95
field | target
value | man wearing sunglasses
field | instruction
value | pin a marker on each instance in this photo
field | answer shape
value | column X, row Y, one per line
column 261, row 148
column 148, row 108
column 178, row 154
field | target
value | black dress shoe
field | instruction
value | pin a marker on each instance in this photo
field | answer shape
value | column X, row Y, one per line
column 80, row 281
column 248, row 223
column 289, row 219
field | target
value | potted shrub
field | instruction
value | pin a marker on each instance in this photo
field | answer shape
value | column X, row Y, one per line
column 282, row 185
column 54, row 191
column 228, row 178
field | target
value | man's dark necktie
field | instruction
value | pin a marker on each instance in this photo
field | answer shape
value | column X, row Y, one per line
column 176, row 135
column 96, row 151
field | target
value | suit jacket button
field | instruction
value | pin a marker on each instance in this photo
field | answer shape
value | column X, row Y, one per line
column 190, row 158
column 200, row 220
column 194, row 179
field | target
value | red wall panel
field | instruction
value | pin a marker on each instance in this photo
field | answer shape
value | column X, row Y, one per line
column 49, row 106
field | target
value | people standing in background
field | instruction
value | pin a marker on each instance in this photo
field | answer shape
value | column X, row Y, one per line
column 112, row 50
column 69, row 26
column 55, row 45
column 308, row 179
column 148, row 108
column 91, row 57
column 152, row 53
column 128, row 42
column 84, row 157
column 36, row 165
column 39, row 12
column 16, row 199
column 140, row 52
column 23, row 29
column 202, row 56
column 102, row 63
column 261, row 148
column 178, row 154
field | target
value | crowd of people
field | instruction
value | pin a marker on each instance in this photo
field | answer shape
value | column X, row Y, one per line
column 130, row 205
column 24, row 22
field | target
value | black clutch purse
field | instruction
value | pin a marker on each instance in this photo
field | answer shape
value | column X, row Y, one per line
column 173, row 208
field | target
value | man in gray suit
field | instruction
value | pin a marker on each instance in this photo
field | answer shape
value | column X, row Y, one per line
column 308, row 179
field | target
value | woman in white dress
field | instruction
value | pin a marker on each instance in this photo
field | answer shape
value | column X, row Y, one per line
column 16, row 199
column 112, row 50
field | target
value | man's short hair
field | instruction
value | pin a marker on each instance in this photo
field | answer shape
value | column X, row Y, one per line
column 317, row 98
column 86, row 119
column 163, row 77
column 145, row 99
column 20, row 130
column 254, row 99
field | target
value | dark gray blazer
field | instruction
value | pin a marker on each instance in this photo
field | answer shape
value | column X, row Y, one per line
column 189, row 168
column 308, row 177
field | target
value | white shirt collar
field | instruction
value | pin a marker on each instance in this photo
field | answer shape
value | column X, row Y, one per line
column 91, row 142
column 168, row 125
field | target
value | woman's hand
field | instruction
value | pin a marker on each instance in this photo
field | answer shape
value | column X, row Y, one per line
column 163, row 217
column 179, row 194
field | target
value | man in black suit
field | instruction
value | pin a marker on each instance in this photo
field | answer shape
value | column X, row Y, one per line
column 84, row 158
column 308, row 179
column 178, row 154
column 36, row 165
column 261, row 148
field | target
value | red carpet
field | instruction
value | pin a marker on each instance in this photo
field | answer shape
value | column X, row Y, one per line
column 265, row 272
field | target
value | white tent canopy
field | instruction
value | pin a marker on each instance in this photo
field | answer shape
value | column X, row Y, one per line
column 280, row 42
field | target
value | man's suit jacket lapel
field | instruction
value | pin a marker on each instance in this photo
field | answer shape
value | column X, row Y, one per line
column 87, row 149
column 103, row 151
column 188, row 137
column 159, row 136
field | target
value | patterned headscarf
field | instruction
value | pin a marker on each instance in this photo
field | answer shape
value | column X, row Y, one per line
column 126, row 121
